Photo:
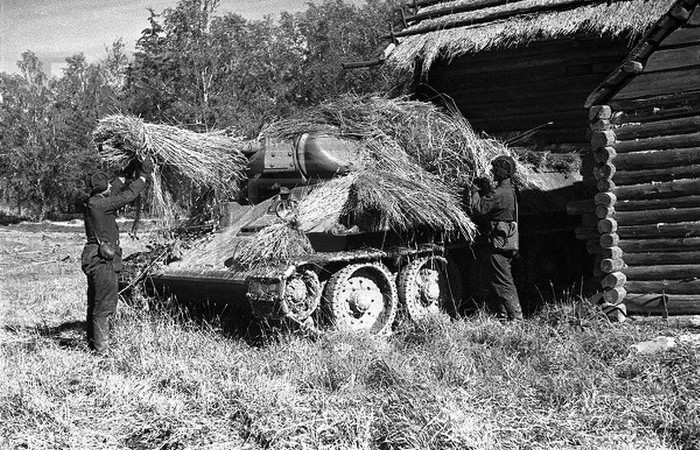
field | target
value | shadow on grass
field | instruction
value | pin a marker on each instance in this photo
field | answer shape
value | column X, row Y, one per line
column 69, row 335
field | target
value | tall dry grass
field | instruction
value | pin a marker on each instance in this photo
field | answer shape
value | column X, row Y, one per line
column 556, row 381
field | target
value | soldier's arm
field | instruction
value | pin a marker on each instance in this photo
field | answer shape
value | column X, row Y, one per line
column 128, row 195
column 484, row 204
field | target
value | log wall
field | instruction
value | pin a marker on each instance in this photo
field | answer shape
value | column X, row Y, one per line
column 646, row 147
column 507, row 91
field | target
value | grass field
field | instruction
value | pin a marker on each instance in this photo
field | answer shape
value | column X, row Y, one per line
column 557, row 381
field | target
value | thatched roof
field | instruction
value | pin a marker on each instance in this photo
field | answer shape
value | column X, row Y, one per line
column 518, row 23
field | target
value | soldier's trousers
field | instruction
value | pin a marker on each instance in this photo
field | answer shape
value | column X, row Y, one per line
column 101, row 306
column 503, row 288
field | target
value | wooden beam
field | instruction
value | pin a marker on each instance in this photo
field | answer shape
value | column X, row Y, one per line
column 609, row 240
column 667, row 286
column 656, row 101
column 667, row 272
column 623, row 178
column 671, row 59
column 678, row 188
column 650, row 258
column 456, row 9
column 607, row 225
column 663, row 230
column 658, row 245
column 614, row 295
column 671, row 81
column 605, row 199
column 690, row 201
column 661, row 128
column 561, row 5
column 656, row 143
column 657, row 159
column 604, row 154
column 597, row 112
column 613, row 280
column 609, row 265
column 655, row 216
column 654, row 304
column 687, row 108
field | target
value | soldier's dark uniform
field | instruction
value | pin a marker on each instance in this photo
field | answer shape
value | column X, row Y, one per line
column 102, row 273
column 500, row 205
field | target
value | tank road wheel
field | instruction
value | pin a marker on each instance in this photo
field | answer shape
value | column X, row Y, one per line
column 362, row 297
column 425, row 288
column 302, row 295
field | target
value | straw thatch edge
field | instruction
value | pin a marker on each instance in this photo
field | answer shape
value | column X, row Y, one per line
column 626, row 19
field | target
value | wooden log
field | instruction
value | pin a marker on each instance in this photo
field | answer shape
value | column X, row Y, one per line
column 489, row 17
column 607, row 225
column 666, row 286
column 614, row 295
column 663, row 230
column 603, row 212
column 606, row 171
column 661, row 258
column 605, row 199
column 653, row 143
column 666, row 81
column 600, row 139
column 659, row 101
column 600, row 125
column 654, row 304
column 679, row 188
column 605, row 185
column 679, row 13
column 579, row 207
column 682, row 36
column 611, row 252
column 471, row 6
column 674, row 58
column 661, row 30
column 659, row 245
column 661, row 128
column 690, row 201
column 597, row 112
column 688, row 108
column 613, row 280
column 604, row 155
column 666, row 174
column 655, row 216
column 658, row 159
column 633, row 67
column 665, row 272
column 694, row 20
column 609, row 240
column 608, row 265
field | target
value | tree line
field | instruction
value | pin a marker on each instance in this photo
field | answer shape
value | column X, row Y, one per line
column 193, row 68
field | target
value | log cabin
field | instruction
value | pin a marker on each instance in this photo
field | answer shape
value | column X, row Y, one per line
column 645, row 138
column 513, row 65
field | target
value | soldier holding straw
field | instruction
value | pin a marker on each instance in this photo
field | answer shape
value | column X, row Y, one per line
column 101, row 258
column 500, row 208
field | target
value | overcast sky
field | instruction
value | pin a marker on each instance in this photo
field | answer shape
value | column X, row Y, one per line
column 55, row 29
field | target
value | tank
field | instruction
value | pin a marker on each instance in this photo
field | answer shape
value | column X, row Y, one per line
column 353, row 280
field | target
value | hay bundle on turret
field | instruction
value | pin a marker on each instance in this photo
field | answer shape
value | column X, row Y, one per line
column 190, row 166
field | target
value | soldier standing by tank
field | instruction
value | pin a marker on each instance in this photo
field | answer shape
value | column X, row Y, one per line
column 101, row 258
column 499, row 206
